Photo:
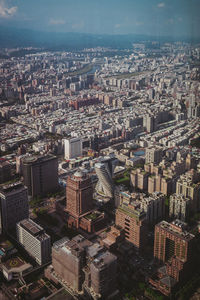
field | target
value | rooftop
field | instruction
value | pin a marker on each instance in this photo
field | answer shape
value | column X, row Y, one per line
column 6, row 189
column 132, row 212
column 177, row 228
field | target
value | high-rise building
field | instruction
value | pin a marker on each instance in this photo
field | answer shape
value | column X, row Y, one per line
column 159, row 183
column 150, row 123
column 173, row 246
column 154, row 207
column 73, row 148
column 172, row 240
column 110, row 162
column 153, row 155
column 133, row 220
column 101, row 272
column 104, row 185
column 139, row 179
column 5, row 171
column 68, row 259
column 188, row 186
column 79, row 196
column 34, row 240
column 13, row 205
column 179, row 207
column 40, row 174
column 83, row 267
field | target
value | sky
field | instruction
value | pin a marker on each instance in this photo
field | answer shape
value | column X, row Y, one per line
column 180, row 18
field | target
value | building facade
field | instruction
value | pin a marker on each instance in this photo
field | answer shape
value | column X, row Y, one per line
column 79, row 194
column 153, row 155
column 179, row 207
column 104, row 185
column 73, row 148
column 174, row 248
column 133, row 220
column 34, row 240
column 40, row 174
column 14, row 205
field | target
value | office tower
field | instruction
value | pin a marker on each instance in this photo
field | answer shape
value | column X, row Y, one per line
column 5, row 171
column 19, row 163
column 191, row 162
column 13, row 205
column 40, row 174
column 94, row 143
column 174, row 247
column 151, row 94
column 102, row 272
column 150, row 123
column 83, row 267
column 34, row 240
column 193, row 108
column 68, row 259
column 188, row 186
column 133, row 220
column 79, row 196
column 79, row 204
column 104, row 185
column 73, row 148
column 179, row 207
column 153, row 155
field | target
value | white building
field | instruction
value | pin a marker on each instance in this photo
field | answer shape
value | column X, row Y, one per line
column 104, row 185
column 35, row 241
column 73, row 148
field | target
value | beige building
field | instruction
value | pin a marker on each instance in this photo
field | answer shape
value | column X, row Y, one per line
column 189, row 186
column 158, row 183
column 153, row 155
column 179, row 207
column 139, row 179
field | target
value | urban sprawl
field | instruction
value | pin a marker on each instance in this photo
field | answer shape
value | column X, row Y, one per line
column 100, row 173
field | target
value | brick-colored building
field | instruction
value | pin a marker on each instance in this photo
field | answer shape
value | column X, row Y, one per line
column 173, row 247
column 79, row 204
column 79, row 194
column 133, row 220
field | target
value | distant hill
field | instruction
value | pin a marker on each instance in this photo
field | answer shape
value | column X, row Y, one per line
column 12, row 38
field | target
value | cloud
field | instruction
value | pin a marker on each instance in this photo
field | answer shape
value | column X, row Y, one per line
column 57, row 22
column 6, row 12
column 161, row 5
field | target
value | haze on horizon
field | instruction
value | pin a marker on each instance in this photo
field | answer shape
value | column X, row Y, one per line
column 178, row 18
